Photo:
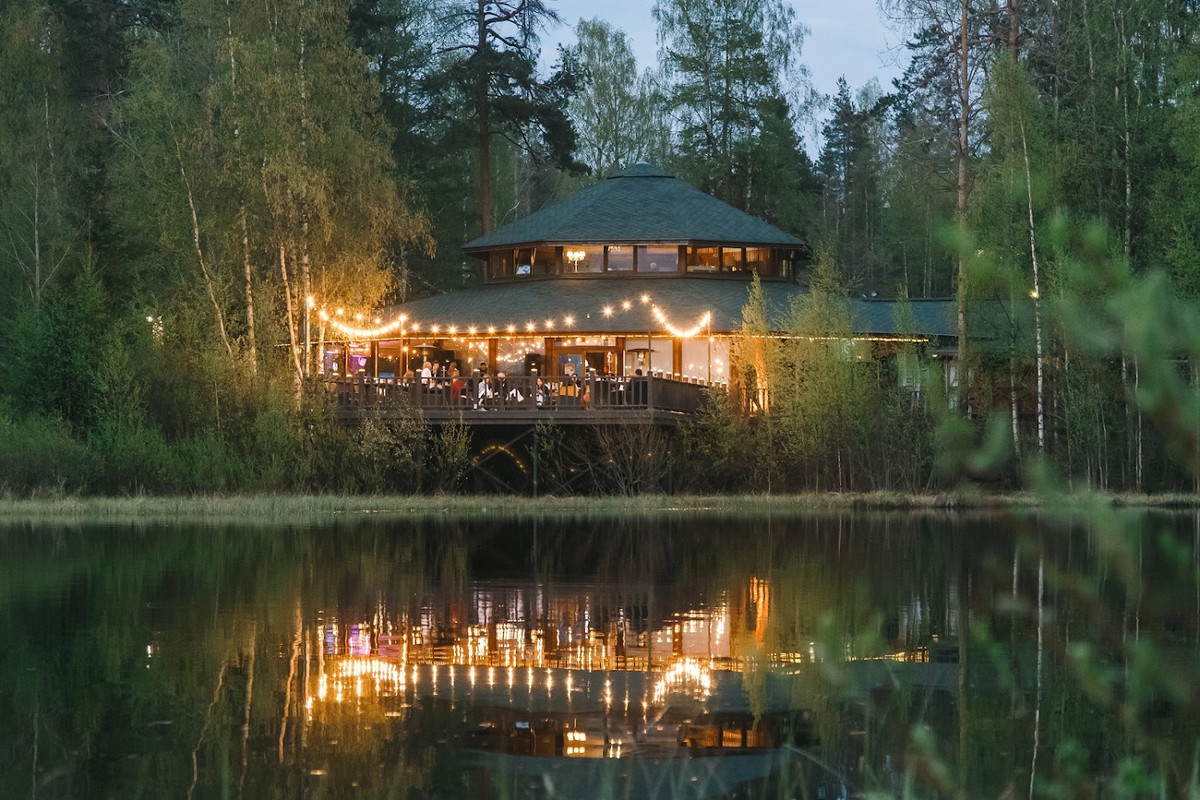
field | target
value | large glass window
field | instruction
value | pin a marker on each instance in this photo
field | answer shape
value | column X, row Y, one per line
column 545, row 261
column 761, row 260
column 657, row 259
column 732, row 259
column 524, row 262
column 500, row 264
column 620, row 259
column 703, row 259
column 578, row 258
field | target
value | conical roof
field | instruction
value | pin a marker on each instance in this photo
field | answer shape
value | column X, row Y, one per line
column 639, row 205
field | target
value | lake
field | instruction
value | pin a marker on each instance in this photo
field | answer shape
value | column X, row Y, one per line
column 678, row 656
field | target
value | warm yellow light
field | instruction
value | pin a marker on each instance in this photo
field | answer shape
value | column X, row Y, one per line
column 416, row 326
column 434, row 328
column 1034, row 294
column 358, row 317
column 491, row 328
column 569, row 321
column 549, row 324
column 645, row 298
column 340, row 312
column 471, row 330
column 626, row 305
column 453, row 329
column 608, row 311
column 377, row 320
column 512, row 328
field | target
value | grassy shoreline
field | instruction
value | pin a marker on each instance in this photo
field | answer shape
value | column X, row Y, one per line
column 225, row 509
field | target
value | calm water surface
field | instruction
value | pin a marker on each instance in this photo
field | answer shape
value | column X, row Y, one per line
column 904, row 655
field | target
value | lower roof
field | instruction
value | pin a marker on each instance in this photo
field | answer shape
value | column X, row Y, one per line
column 682, row 301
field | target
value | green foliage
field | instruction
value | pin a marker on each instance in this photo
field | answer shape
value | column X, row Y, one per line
column 393, row 454
column 39, row 455
column 733, row 76
column 450, row 457
column 717, row 445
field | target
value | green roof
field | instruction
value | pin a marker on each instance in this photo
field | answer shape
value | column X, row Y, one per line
column 641, row 204
column 682, row 300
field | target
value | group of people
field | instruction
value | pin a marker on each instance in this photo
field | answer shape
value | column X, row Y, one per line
column 495, row 392
column 492, row 392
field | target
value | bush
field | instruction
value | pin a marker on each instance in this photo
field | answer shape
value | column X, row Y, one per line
column 38, row 454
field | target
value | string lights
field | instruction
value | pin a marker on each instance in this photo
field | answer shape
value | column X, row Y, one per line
column 403, row 324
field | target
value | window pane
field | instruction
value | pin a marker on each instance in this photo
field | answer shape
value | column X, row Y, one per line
column 500, row 264
column 545, row 261
column 658, row 259
column 760, row 260
column 583, row 259
column 732, row 259
column 703, row 259
column 620, row 259
column 524, row 262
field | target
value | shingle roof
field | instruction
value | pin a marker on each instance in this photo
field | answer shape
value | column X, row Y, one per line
column 641, row 204
column 683, row 301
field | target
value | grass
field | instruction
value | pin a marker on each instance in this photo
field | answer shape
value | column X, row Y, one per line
column 226, row 509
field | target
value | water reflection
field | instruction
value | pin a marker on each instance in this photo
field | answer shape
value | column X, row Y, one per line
column 698, row 657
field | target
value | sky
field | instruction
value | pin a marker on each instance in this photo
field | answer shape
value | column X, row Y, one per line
column 847, row 37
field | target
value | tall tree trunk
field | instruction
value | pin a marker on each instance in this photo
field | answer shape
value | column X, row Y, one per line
column 250, row 339
column 305, row 273
column 249, row 272
column 964, row 120
column 208, row 281
column 1037, row 299
column 1014, row 29
column 291, row 320
column 484, row 132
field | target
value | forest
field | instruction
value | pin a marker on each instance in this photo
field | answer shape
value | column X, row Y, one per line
column 177, row 177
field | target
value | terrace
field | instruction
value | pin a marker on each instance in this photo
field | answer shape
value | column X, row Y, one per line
column 591, row 400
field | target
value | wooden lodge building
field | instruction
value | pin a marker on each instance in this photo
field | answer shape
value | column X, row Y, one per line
column 623, row 298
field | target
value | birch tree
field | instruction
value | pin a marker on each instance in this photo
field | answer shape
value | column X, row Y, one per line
column 39, row 201
column 952, row 48
column 617, row 111
column 279, row 158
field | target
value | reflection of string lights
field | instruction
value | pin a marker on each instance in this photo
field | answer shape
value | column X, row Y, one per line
column 685, row 675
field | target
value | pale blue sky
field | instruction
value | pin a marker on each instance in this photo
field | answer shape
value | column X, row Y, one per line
column 847, row 37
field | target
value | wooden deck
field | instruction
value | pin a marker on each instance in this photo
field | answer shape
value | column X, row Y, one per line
column 592, row 401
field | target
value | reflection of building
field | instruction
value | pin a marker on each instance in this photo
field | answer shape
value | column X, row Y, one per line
column 591, row 685
column 587, row 673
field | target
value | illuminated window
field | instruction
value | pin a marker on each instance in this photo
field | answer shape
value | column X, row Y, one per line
column 579, row 258
column 500, row 264
column 620, row 259
column 733, row 259
column 761, row 260
column 657, row 259
column 703, row 259
column 524, row 262
column 544, row 261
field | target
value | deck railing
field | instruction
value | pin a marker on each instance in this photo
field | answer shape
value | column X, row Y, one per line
column 518, row 395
